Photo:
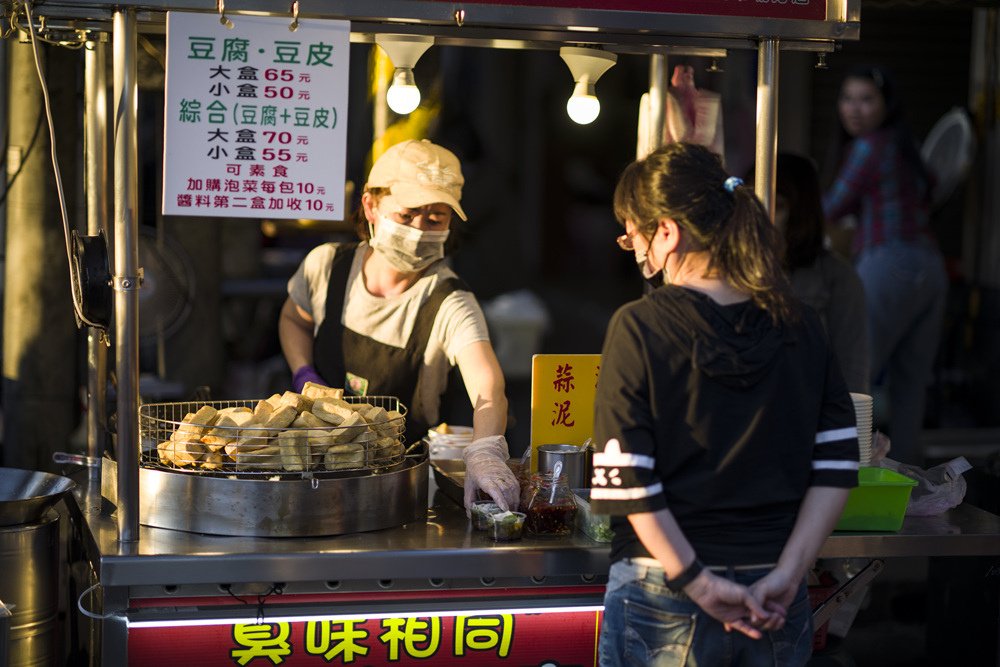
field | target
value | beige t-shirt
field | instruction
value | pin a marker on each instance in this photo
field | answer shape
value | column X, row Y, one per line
column 390, row 320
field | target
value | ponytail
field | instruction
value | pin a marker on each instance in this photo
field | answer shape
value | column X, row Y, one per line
column 748, row 256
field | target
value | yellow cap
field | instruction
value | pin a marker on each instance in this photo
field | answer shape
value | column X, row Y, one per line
column 419, row 173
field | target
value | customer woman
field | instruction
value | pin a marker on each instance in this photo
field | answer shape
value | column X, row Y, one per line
column 725, row 432
column 818, row 277
column 881, row 180
column 387, row 316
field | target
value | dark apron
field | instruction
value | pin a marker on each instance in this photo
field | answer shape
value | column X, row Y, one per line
column 388, row 370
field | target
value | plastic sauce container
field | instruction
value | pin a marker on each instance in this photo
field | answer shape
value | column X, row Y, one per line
column 505, row 526
column 481, row 512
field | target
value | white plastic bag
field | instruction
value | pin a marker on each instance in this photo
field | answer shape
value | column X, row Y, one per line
column 938, row 489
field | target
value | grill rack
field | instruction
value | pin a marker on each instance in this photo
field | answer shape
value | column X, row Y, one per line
column 257, row 452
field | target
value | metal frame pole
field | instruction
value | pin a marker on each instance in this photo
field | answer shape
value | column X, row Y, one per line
column 658, row 82
column 5, row 131
column 767, row 122
column 95, row 149
column 5, row 617
column 126, row 274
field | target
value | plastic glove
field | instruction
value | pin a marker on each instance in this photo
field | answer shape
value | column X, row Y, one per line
column 306, row 374
column 486, row 469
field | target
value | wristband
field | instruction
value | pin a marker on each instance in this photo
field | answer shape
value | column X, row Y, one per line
column 689, row 574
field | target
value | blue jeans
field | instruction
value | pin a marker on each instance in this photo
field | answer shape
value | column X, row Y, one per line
column 647, row 624
column 905, row 291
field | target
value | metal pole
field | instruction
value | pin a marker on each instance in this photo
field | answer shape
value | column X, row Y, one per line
column 658, row 82
column 126, row 275
column 5, row 616
column 95, row 148
column 767, row 122
column 5, row 133
column 380, row 109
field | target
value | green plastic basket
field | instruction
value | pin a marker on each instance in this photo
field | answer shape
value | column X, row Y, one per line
column 878, row 502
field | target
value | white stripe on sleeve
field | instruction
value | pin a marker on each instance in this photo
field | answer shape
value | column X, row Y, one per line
column 836, row 434
column 635, row 493
column 624, row 460
column 835, row 465
column 614, row 457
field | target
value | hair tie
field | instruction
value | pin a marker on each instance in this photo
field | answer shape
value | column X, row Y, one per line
column 731, row 183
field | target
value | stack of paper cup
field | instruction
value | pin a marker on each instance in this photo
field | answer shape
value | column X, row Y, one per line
column 863, row 415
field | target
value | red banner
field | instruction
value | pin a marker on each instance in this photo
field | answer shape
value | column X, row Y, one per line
column 812, row 10
column 565, row 637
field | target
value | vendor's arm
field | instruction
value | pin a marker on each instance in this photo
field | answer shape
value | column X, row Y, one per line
column 486, row 457
column 485, row 385
column 301, row 311
column 295, row 331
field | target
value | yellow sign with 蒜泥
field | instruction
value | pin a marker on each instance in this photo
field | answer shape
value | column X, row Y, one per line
column 563, row 387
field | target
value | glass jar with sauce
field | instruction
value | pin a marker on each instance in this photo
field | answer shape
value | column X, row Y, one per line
column 528, row 483
column 551, row 510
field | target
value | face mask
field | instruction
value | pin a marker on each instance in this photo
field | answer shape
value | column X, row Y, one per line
column 407, row 248
column 654, row 277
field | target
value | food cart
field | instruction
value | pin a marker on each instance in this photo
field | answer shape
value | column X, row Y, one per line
column 428, row 589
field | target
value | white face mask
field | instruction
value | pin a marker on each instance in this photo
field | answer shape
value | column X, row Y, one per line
column 407, row 248
column 654, row 277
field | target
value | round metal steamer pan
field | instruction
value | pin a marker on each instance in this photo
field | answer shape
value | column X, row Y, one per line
column 299, row 507
column 280, row 505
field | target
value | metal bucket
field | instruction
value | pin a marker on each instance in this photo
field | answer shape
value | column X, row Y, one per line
column 574, row 463
column 29, row 587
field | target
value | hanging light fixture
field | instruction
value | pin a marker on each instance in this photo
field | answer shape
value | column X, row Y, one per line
column 586, row 65
column 404, row 51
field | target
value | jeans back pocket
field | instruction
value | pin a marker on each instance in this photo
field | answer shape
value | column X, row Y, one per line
column 656, row 637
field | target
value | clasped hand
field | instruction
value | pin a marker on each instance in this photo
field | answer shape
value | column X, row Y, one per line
column 761, row 606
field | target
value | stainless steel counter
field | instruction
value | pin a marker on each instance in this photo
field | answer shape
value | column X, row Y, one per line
column 444, row 547
column 963, row 531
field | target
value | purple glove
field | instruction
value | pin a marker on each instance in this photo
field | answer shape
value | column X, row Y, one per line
column 306, row 374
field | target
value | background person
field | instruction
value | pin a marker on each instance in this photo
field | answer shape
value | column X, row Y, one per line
column 388, row 317
column 881, row 179
column 818, row 277
column 725, row 430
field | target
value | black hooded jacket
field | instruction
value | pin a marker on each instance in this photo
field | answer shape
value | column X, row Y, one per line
column 722, row 416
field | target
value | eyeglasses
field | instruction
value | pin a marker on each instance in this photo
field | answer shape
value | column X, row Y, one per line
column 625, row 241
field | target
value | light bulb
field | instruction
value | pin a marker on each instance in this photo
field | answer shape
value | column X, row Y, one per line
column 586, row 65
column 402, row 99
column 583, row 109
column 403, row 95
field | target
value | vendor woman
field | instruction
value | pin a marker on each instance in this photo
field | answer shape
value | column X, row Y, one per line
column 399, row 316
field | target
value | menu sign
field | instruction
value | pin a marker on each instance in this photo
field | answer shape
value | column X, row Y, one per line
column 255, row 117
column 563, row 388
